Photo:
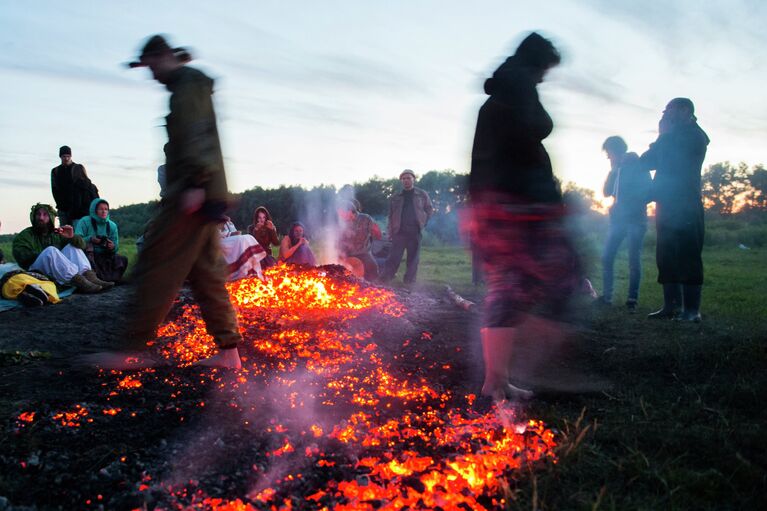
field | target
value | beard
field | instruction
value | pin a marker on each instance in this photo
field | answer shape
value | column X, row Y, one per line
column 41, row 227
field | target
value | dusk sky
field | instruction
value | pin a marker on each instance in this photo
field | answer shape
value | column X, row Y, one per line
column 335, row 92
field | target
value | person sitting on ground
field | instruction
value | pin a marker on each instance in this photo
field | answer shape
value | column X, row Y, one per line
column 242, row 252
column 265, row 232
column 227, row 228
column 295, row 249
column 55, row 252
column 103, row 240
column 355, row 239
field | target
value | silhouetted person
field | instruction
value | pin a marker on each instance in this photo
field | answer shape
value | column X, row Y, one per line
column 409, row 211
column 72, row 190
column 182, row 242
column 517, row 212
column 677, row 157
column 629, row 185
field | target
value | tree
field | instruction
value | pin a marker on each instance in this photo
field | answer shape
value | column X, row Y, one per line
column 723, row 187
column 757, row 195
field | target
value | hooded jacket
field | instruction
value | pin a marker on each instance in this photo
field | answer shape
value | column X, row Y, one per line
column 28, row 244
column 266, row 237
column 193, row 151
column 508, row 154
column 103, row 227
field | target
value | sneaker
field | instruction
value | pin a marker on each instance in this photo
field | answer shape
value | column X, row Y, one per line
column 84, row 285
column 29, row 300
column 38, row 292
column 631, row 306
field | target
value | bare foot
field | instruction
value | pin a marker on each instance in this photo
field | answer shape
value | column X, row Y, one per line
column 121, row 360
column 228, row 359
column 506, row 391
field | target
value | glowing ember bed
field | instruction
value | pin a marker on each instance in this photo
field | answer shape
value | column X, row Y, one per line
column 325, row 414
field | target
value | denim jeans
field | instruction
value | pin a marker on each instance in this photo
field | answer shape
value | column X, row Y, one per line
column 616, row 233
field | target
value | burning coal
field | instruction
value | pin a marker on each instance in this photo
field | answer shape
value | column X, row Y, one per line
column 326, row 417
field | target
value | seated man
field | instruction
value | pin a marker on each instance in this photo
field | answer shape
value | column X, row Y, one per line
column 358, row 230
column 55, row 252
column 294, row 248
column 103, row 240
column 242, row 253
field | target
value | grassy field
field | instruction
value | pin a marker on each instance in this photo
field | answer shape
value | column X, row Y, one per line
column 683, row 425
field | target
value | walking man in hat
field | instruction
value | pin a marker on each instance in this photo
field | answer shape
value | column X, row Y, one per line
column 409, row 210
column 183, row 240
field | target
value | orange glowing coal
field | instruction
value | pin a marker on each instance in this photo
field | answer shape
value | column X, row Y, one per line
column 399, row 440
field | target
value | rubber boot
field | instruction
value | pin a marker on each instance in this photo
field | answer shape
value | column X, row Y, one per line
column 672, row 302
column 91, row 275
column 497, row 349
column 691, row 310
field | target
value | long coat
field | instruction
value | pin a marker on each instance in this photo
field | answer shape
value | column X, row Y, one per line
column 677, row 157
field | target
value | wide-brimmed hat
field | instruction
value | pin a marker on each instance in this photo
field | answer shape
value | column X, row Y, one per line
column 157, row 45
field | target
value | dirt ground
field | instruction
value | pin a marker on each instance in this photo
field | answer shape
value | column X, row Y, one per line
column 180, row 438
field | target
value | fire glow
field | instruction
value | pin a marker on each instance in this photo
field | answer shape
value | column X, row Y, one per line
column 374, row 435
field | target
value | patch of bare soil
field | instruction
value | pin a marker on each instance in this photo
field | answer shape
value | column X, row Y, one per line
column 74, row 437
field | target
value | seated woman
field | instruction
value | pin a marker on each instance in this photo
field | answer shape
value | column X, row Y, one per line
column 295, row 249
column 265, row 232
column 241, row 251
column 103, row 240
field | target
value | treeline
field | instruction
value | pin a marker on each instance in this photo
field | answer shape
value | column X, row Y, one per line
column 734, row 191
column 315, row 207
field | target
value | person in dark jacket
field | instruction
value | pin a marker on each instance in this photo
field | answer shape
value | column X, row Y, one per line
column 629, row 185
column 72, row 190
column 183, row 241
column 677, row 157
column 409, row 211
column 517, row 213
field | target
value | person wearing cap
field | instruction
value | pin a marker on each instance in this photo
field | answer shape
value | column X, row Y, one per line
column 183, row 242
column 72, row 190
column 409, row 211
column 677, row 156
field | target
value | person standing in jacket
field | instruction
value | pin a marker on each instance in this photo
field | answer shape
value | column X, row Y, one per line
column 182, row 242
column 55, row 252
column 677, row 157
column 103, row 241
column 409, row 211
column 629, row 185
column 72, row 190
